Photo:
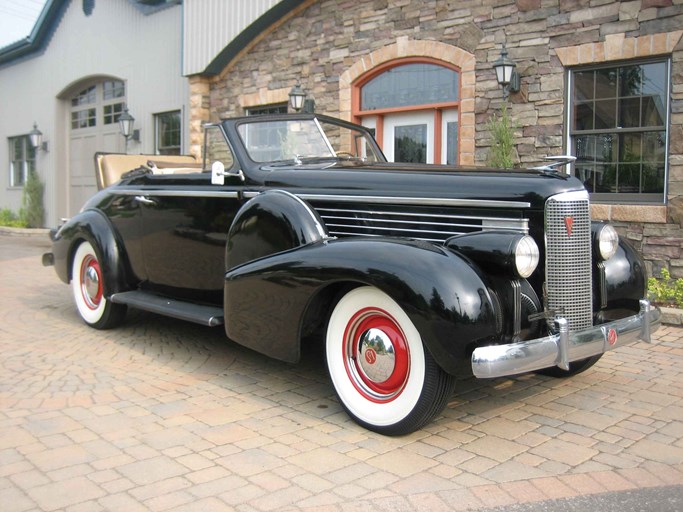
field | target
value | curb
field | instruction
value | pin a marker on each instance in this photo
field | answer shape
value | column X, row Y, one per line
column 672, row 316
column 25, row 232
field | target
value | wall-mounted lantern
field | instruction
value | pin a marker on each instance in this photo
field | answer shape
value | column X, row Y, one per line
column 35, row 137
column 126, row 123
column 506, row 74
column 297, row 97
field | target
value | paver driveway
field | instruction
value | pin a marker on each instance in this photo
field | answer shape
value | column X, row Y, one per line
column 164, row 415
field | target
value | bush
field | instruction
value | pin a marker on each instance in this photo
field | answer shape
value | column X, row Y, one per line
column 502, row 152
column 33, row 212
column 11, row 219
column 666, row 291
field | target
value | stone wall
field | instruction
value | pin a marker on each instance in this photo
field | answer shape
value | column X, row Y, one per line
column 326, row 40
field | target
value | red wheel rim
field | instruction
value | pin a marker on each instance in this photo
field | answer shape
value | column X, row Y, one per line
column 91, row 282
column 376, row 355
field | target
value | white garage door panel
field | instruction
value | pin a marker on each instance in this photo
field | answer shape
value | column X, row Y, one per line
column 100, row 133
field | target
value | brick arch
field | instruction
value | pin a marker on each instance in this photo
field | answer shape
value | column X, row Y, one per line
column 406, row 48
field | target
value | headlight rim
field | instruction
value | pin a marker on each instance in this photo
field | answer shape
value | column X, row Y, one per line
column 532, row 254
column 603, row 252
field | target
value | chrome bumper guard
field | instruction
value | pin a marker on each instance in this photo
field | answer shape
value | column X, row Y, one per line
column 562, row 348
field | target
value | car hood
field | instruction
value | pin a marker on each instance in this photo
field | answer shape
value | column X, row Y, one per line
column 429, row 181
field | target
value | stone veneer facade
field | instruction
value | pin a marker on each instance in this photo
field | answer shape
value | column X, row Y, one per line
column 328, row 44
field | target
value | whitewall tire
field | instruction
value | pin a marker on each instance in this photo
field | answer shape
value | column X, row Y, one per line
column 382, row 373
column 87, row 284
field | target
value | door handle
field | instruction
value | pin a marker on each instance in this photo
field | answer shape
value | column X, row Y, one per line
column 144, row 200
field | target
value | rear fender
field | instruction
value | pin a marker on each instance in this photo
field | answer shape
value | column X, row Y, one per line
column 266, row 300
column 93, row 226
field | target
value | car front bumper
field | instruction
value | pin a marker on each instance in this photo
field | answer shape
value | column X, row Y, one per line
column 565, row 347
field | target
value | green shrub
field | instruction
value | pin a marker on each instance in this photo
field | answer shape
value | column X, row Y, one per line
column 666, row 291
column 502, row 127
column 33, row 211
column 10, row 219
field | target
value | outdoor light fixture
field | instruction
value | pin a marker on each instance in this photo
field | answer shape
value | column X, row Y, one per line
column 297, row 97
column 126, row 122
column 506, row 73
column 35, row 136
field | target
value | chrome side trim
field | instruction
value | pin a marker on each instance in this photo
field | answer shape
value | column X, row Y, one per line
column 421, row 201
column 566, row 346
column 172, row 193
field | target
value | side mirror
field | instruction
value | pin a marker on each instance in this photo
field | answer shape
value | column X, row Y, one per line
column 217, row 173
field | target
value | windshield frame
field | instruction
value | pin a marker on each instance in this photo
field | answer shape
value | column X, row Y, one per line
column 364, row 139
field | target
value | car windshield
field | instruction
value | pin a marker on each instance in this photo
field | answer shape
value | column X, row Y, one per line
column 296, row 140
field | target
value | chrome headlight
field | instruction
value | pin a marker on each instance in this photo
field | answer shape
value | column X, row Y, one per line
column 606, row 241
column 510, row 254
column 526, row 256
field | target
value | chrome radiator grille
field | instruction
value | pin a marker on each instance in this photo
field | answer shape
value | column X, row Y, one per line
column 568, row 258
column 417, row 222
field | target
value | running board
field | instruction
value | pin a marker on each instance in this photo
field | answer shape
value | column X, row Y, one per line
column 204, row 315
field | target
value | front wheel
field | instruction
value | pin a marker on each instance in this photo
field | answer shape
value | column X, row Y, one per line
column 384, row 377
column 87, row 284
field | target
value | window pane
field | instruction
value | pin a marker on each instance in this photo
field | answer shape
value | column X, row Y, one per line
column 654, row 147
column 22, row 160
column 653, row 178
column 168, row 133
column 605, row 83
column 83, row 118
column 583, row 116
column 410, row 84
column 113, row 89
column 85, row 97
column 630, row 113
column 630, row 81
column 279, row 108
column 605, row 114
column 410, row 143
column 112, row 113
column 452, row 143
column 634, row 100
column 583, row 85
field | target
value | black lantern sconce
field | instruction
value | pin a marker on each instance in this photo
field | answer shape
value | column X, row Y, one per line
column 506, row 74
column 298, row 100
column 35, row 137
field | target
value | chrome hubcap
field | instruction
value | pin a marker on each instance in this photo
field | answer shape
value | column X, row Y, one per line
column 377, row 357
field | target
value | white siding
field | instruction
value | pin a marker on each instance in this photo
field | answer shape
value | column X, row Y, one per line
column 210, row 25
column 117, row 40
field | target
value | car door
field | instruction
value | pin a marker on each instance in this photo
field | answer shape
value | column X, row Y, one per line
column 185, row 221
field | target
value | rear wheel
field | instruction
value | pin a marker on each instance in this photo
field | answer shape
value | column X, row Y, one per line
column 384, row 377
column 574, row 368
column 87, row 284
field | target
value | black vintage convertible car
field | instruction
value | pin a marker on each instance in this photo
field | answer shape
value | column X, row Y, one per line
column 413, row 274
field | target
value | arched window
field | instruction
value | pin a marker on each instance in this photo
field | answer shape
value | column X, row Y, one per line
column 413, row 106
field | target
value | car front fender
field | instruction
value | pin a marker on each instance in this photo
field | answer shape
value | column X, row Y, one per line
column 266, row 301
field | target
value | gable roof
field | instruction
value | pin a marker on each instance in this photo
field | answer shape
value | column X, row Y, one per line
column 39, row 37
column 48, row 21
column 244, row 38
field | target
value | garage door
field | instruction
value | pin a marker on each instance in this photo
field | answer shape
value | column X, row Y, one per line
column 95, row 112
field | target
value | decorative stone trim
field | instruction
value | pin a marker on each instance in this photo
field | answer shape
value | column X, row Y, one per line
column 264, row 97
column 629, row 213
column 199, row 113
column 618, row 47
column 405, row 47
